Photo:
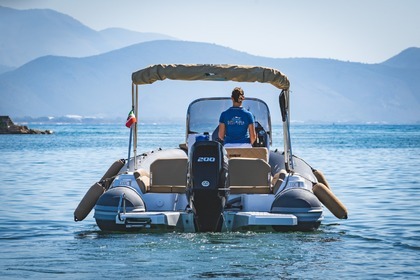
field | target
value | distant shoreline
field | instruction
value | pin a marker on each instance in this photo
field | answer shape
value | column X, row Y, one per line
column 7, row 126
column 27, row 120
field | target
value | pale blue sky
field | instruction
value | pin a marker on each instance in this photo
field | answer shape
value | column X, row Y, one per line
column 369, row 31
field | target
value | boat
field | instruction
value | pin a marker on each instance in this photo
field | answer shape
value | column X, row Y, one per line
column 202, row 186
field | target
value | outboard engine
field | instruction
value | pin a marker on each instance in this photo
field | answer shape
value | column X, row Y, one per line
column 207, row 184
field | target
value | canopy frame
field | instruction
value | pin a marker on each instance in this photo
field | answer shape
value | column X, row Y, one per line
column 218, row 72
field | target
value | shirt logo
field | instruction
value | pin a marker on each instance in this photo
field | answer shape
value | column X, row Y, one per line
column 236, row 121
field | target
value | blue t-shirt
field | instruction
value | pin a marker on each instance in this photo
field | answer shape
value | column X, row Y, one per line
column 236, row 120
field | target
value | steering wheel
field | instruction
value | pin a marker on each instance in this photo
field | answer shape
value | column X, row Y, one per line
column 261, row 136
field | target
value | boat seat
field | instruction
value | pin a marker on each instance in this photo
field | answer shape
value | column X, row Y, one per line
column 143, row 179
column 256, row 152
column 249, row 176
column 168, row 175
column 278, row 179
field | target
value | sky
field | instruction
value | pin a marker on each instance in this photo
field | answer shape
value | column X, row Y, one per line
column 367, row 31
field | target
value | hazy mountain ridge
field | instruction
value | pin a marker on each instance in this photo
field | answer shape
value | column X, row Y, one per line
column 119, row 37
column 409, row 58
column 99, row 86
column 38, row 32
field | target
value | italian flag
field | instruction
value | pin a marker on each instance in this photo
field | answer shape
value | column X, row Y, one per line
column 131, row 119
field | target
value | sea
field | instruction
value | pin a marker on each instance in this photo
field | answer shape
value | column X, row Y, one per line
column 374, row 169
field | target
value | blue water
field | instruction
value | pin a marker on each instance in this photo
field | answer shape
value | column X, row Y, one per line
column 373, row 169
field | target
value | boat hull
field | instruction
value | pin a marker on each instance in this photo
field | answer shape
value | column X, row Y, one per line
column 123, row 209
column 154, row 198
column 186, row 222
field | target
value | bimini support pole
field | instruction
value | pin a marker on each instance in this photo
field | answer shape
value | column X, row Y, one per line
column 136, row 108
column 285, row 115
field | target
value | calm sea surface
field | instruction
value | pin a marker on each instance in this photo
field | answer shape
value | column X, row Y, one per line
column 373, row 169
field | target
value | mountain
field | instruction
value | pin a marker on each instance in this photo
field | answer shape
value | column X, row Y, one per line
column 409, row 58
column 322, row 90
column 4, row 68
column 118, row 37
column 29, row 34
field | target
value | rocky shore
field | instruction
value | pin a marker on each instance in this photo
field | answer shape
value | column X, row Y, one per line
column 8, row 127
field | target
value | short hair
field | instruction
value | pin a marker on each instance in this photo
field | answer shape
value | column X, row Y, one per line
column 236, row 93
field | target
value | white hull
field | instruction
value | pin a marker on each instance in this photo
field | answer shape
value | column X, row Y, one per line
column 162, row 211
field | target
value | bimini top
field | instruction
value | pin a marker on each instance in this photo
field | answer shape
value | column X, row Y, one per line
column 210, row 72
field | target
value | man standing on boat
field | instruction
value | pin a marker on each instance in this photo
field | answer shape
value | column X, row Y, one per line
column 236, row 124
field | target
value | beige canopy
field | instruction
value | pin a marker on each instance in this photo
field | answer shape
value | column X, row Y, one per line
column 210, row 72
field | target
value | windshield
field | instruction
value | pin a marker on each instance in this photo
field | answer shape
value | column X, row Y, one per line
column 203, row 114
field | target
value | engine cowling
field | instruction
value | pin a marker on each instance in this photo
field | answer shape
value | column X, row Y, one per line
column 207, row 184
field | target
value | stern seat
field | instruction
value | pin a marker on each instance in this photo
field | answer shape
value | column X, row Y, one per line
column 256, row 152
column 249, row 171
column 168, row 175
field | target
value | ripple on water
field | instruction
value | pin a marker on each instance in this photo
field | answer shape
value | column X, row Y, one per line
column 372, row 169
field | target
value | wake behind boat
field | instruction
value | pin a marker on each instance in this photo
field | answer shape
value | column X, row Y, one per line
column 202, row 186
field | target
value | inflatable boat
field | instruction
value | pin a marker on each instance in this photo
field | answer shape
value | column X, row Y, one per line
column 203, row 186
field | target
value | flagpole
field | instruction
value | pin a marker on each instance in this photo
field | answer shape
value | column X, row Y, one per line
column 131, row 128
column 129, row 148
